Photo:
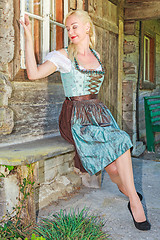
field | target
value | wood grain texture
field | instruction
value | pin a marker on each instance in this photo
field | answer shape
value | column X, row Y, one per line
column 142, row 10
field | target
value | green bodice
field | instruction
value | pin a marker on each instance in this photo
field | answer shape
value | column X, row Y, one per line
column 79, row 82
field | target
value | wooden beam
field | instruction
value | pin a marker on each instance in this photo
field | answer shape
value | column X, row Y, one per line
column 143, row 11
column 120, row 72
column 114, row 1
column 141, row 1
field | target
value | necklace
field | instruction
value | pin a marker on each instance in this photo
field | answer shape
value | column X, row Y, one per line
column 90, row 71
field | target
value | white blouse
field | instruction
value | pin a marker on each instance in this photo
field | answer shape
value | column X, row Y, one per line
column 62, row 63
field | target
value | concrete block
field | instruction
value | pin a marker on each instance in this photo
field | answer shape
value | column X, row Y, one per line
column 63, row 169
column 138, row 149
column 44, row 175
column 62, row 180
column 5, row 84
column 41, row 164
column 11, row 188
column 75, row 179
column 47, row 195
column 71, row 163
column 61, row 159
column 58, row 188
column 56, row 161
column 6, row 121
column 69, row 157
column 51, row 191
column 51, row 173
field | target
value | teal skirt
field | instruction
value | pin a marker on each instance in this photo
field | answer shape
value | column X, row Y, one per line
column 97, row 137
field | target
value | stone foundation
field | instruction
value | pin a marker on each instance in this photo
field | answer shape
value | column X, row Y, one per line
column 52, row 163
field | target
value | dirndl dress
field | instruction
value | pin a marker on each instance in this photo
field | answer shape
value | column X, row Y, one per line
column 84, row 120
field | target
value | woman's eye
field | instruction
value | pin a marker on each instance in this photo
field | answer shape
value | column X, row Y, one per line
column 75, row 26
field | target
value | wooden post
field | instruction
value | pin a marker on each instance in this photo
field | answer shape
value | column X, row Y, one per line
column 120, row 62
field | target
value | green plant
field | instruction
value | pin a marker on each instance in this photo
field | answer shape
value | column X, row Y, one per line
column 9, row 231
column 33, row 237
column 15, row 225
column 10, row 168
column 72, row 226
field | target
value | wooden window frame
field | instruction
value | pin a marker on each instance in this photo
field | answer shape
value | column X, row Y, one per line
column 149, row 35
column 46, row 18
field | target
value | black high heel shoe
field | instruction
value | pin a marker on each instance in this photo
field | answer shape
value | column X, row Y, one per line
column 140, row 196
column 144, row 226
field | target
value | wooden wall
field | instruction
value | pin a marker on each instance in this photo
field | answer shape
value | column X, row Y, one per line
column 105, row 18
column 36, row 104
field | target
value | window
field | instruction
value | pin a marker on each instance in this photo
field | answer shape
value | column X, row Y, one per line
column 148, row 59
column 48, row 30
column 148, row 74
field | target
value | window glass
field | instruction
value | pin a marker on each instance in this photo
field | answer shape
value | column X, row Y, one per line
column 56, row 24
column 149, row 56
column 48, row 30
column 146, row 58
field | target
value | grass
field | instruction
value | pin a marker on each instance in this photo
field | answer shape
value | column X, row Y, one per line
column 74, row 225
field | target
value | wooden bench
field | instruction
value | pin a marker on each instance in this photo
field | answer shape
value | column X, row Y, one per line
column 152, row 120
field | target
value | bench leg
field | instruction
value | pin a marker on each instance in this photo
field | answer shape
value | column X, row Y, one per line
column 150, row 140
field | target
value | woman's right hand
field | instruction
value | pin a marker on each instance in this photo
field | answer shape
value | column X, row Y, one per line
column 26, row 26
column 34, row 71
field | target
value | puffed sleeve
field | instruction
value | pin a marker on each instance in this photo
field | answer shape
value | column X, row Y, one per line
column 62, row 63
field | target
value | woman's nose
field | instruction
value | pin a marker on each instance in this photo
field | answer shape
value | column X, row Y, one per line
column 70, row 31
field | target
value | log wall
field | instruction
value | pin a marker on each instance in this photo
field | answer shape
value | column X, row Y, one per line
column 131, row 58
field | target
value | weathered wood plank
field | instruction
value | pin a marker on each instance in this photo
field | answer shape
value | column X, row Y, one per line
column 120, row 71
column 36, row 106
column 147, row 10
column 141, row 1
column 108, row 92
column 114, row 1
column 103, row 23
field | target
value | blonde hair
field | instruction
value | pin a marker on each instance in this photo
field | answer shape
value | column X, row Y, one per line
column 84, row 16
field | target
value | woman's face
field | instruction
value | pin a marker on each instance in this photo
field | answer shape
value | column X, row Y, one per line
column 76, row 29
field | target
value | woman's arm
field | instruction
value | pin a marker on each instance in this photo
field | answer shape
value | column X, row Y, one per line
column 34, row 71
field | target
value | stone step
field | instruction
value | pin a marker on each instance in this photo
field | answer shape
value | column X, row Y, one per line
column 53, row 172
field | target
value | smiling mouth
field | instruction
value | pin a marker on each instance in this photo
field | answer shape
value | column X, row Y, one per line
column 73, row 37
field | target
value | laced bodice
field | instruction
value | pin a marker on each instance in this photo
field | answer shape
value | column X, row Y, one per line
column 76, row 80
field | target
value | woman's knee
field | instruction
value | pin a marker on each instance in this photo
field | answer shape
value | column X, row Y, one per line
column 112, row 170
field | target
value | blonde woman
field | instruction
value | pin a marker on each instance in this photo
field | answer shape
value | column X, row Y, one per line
column 84, row 121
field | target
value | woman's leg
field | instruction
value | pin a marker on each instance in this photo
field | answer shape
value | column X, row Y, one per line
column 114, row 176
column 125, row 181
